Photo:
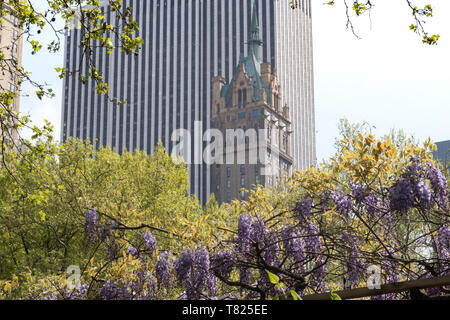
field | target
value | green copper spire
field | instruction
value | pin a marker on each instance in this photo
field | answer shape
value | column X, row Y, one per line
column 255, row 41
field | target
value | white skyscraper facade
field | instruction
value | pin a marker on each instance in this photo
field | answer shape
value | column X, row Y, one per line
column 168, row 85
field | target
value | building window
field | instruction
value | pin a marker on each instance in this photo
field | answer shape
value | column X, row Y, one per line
column 228, row 184
column 242, row 195
column 228, row 172
column 242, row 182
column 243, row 169
column 218, row 108
column 244, row 94
column 12, row 88
column 258, row 179
column 15, row 34
column 218, row 187
column 242, row 115
column 15, row 21
column 228, row 196
column 239, row 98
column 256, row 114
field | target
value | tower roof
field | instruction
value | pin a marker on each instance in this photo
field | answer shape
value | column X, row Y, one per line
column 255, row 41
column 252, row 63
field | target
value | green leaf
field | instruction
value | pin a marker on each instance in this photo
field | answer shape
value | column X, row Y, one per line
column 295, row 295
column 334, row 296
column 274, row 279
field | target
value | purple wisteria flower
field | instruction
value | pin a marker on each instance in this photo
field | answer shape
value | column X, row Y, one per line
column 133, row 251
column 342, row 202
column 442, row 248
column 193, row 270
column 371, row 202
column 439, row 185
column 358, row 192
column 303, row 208
column 183, row 265
column 150, row 242
column 294, row 245
column 271, row 253
column 162, row 270
column 401, row 195
column 318, row 276
column 223, row 264
column 313, row 244
column 355, row 265
column 111, row 290
column 90, row 225
column 79, row 293
column 423, row 194
column 244, row 230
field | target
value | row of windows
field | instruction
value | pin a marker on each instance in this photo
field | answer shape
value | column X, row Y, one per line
column 242, row 182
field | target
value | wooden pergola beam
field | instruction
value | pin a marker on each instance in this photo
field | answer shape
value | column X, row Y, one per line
column 385, row 289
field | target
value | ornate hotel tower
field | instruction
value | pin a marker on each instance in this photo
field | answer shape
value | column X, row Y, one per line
column 250, row 109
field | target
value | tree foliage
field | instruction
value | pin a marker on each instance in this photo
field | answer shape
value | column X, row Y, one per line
column 379, row 205
column 42, row 220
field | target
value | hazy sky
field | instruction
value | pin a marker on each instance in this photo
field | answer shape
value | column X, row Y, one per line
column 388, row 78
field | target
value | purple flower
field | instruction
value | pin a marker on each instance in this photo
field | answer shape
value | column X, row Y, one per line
column 244, row 229
column 358, row 192
column 90, row 225
column 201, row 277
column 313, row 244
column 342, row 202
column 318, row 276
column 183, row 265
column 303, row 208
column 271, row 251
column 401, row 195
column 162, row 270
column 245, row 275
column 223, row 264
column 371, row 203
column 439, row 185
column 76, row 294
column 150, row 242
column 442, row 249
column 355, row 266
column 257, row 232
column 111, row 290
column 294, row 245
column 423, row 194
column 133, row 251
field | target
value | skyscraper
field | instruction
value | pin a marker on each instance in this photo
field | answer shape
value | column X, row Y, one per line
column 11, row 43
column 168, row 85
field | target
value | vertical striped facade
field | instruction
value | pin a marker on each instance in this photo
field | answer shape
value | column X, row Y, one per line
column 168, row 85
